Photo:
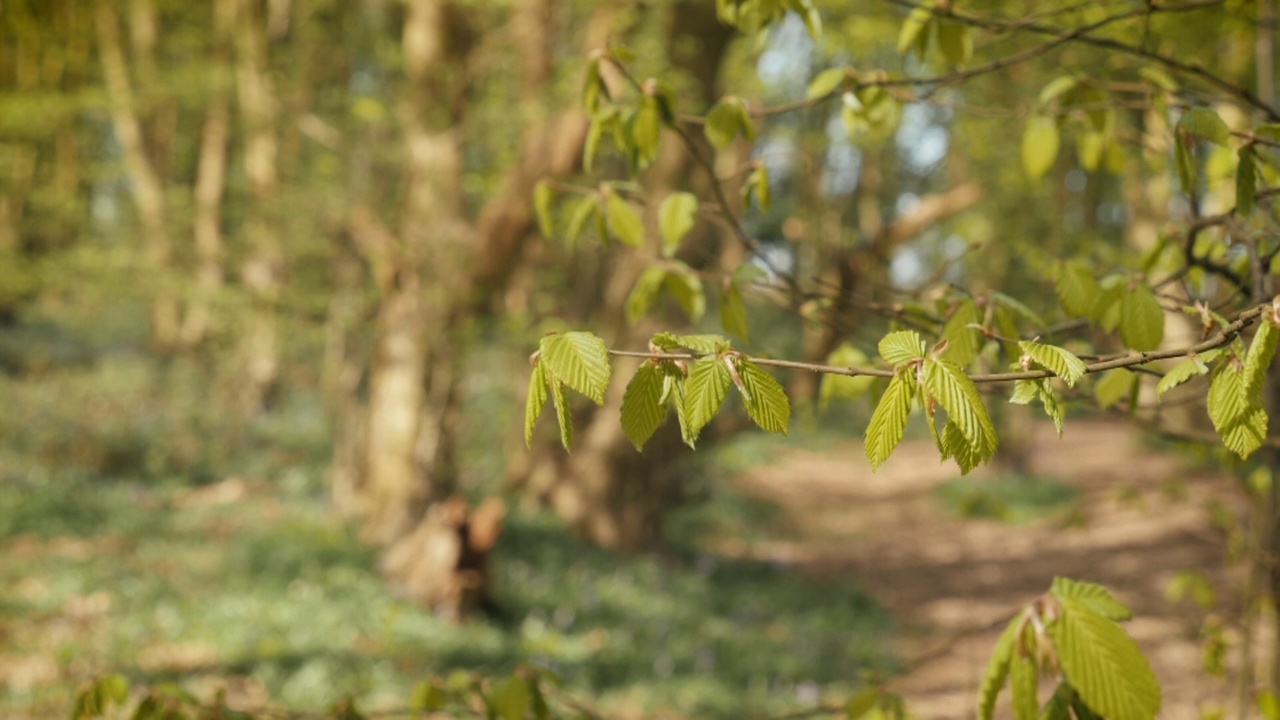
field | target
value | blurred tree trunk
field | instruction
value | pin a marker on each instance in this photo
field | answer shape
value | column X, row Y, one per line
column 262, row 270
column 210, row 185
column 147, row 188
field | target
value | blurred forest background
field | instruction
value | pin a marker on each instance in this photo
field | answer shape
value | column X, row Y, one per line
column 271, row 271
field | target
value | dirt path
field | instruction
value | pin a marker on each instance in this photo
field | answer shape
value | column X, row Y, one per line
column 948, row 578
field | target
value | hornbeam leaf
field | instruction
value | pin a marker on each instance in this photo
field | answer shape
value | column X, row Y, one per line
column 705, row 391
column 698, row 343
column 901, row 347
column 724, row 122
column 1187, row 369
column 686, row 287
column 675, row 220
column 955, row 41
column 957, row 394
column 582, row 213
column 1097, row 597
column 1019, row 308
column 1113, row 387
column 624, row 222
column 1056, row 88
column 1246, row 181
column 1040, row 142
column 1059, row 361
column 889, row 421
column 564, row 415
column 1077, row 289
column 1262, row 350
column 1024, row 679
column 1235, row 410
column 1183, row 161
column 733, row 312
column 646, row 130
column 963, row 342
column 543, row 196
column 1141, row 319
column 845, row 387
column 643, row 293
column 1103, row 664
column 914, row 28
column 1206, row 125
column 826, row 82
column 534, row 401
column 642, row 410
column 1024, row 391
column 579, row 360
column 766, row 401
column 997, row 669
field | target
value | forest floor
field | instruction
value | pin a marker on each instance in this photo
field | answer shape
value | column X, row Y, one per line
column 1140, row 519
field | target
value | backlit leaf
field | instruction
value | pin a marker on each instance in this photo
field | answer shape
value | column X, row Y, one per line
column 1113, row 387
column 1097, row 597
column 1040, row 142
column 766, row 401
column 1262, row 350
column 1206, row 125
column 826, row 82
column 1056, row 88
column 1024, row 680
column 901, row 347
column 543, row 196
column 1185, row 370
column 1103, row 664
column 564, row 416
column 997, row 670
column 955, row 41
column 889, row 421
column 686, row 287
column 1059, row 361
column 963, row 341
column 705, row 391
column 1141, row 319
column 643, row 293
column 733, row 312
column 914, row 28
column 580, row 360
column 642, row 409
column 724, row 122
column 534, row 401
column 844, row 387
column 624, row 222
column 583, row 209
column 1077, row 289
column 676, row 217
column 1246, row 181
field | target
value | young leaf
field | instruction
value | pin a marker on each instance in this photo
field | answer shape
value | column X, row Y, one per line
column 963, row 342
column 915, row 32
column 1024, row 680
column 534, row 401
column 1183, row 371
column 511, row 698
column 1141, row 319
column 955, row 41
column 1056, row 88
column 624, row 222
column 1106, row 308
column 1103, row 664
column 1246, row 181
column 705, row 390
column 1077, row 289
column 543, row 196
column 675, row 219
column 593, row 87
column 1262, row 350
column 724, row 122
column 1113, row 387
column 580, row 360
column 1059, row 361
column 1018, row 308
column 644, row 292
column 826, row 82
column 697, row 343
column 1024, row 391
column 1206, row 125
column 901, row 347
column 1237, row 416
column 646, row 131
column 642, row 408
column 766, row 401
column 844, row 386
column 583, row 210
column 564, row 416
column 1159, row 78
column 686, row 287
column 1183, row 161
column 1097, row 597
column 889, row 421
column 1040, row 144
column 757, row 185
column 733, row 312
column 957, row 394
column 997, row 669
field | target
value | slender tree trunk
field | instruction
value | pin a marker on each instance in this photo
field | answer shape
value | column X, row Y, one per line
column 262, row 270
column 148, row 191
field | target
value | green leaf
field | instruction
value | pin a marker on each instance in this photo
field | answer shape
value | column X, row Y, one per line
column 725, row 121
column 624, row 222
column 1141, row 319
column 511, row 698
column 1024, row 681
column 1185, row 370
column 676, row 217
column 862, row 703
column 997, row 669
column 580, row 360
column 1056, row 88
column 757, row 185
column 1018, row 308
column 1237, row 414
column 1040, row 144
column 543, row 196
column 697, row 343
column 1095, row 596
column 1077, row 289
column 826, row 82
column 766, row 401
column 1159, row 78
column 593, row 87
column 705, row 391
column 1059, row 361
column 643, row 293
column 957, row 394
column 1024, row 391
column 963, row 342
column 915, row 32
column 845, row 387
column 889, row 421
column 113, row 688
column 686, row 287
column 1206, row 125
column 534, row 401
column 1106, row 308
column 901, row 347
column 642, row 407
column 955, row 41
column 564, row 415
column 1089, row 148
column 1103, row 664
column 733, row 312
column 428, row 696
column 1246, row 181
column 583, row 210
column 1183, row 161
column 1113, row 387
column 646, row 130
column 1262, row 350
